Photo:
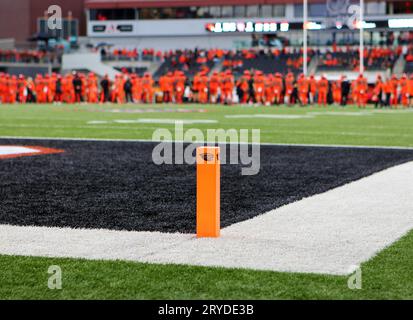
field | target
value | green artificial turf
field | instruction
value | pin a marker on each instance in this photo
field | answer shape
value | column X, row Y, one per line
column 389, row 275
column 317, row 125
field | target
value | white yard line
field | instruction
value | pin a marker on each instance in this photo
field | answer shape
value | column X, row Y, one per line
column 263, row 143
column 328, row 233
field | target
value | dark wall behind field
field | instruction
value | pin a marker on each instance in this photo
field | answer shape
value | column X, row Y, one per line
column 18, row 18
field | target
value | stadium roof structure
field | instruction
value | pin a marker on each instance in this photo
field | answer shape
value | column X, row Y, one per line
column 112, row 4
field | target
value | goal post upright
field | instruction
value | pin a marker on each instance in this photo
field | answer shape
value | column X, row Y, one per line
column 305, row 33
column 361, row 27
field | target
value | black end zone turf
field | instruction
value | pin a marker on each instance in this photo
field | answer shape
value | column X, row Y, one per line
column 115, row 185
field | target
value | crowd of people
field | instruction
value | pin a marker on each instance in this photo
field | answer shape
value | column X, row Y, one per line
column 379, row 58
column 253, row 88
column 31, row 56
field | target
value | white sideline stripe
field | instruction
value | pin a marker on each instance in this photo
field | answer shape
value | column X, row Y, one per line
column 159, row 121
column 269, row 116
column 10, row 150
column 328, row 233
column 262, row 143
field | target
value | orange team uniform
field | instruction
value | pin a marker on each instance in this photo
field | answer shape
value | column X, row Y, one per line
column 214, row 85
column 22, row 91
column 322, row 91
column 41, row 98
column 147, row 86
column 379, row 88
column 3, row 88
column 278, row 88
column 136, row 88
column 404, row 91
column 203, row 88
column 227, row 87
column 336, row 88
column 166, row 86
column 92, row 89
column 195, row 86
column 394, row 85
column 360, row 88
column 303, row 86
column 179, row 83
column 13, row 89
column 289, row 88
column 118, row 92
column 313, row 88
column 259, row 87
column 269, row 95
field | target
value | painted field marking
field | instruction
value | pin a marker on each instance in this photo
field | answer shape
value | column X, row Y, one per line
column 269, row 116
column 326, row 233
column 158, row 121
column 240, row 143
column 262, row 143
column 7, row 152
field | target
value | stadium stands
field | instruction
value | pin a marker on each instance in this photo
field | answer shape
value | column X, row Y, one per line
column 374, row 59
column 189, row 61
column 282, row 61
column 30, row 56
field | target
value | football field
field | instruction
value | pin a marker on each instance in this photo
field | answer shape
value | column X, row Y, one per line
column 333, row 192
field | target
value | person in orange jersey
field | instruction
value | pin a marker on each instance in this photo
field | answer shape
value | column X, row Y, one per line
column 203, row 88
column 3, row 88
column 147, row 87
column 67, row 88
column 195, row 86
column 243, row 85
column 278, row 88
column 387, row 92
column 118, row 91
column 336, row 91
column 322, row 90
column 303, row 87
column 313, row 88
column 360, row 91
column 92, row 88
column 269, row 95
column 259, row 87
column 404, row 91
column 214, row 87
column 410, row 84
column 40, row 89
column 22, row 89
column 227, row 87
column 394, row 85
column 378, row 90
column 166, row 86
column 136, row 88
column 179, row 84
column 13, row 89
column 52, row 87
column 289, row 88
